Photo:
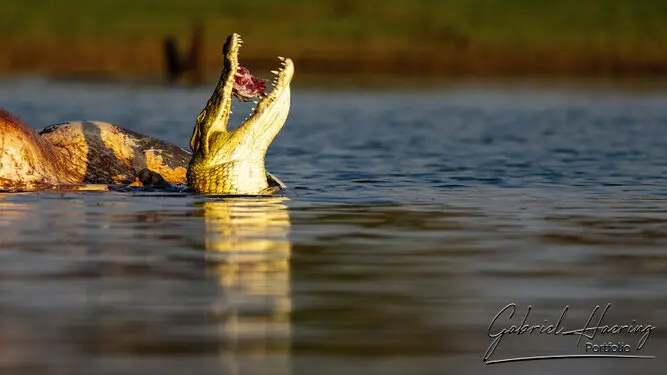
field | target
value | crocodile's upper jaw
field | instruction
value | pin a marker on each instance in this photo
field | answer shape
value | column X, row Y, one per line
column 225, row 162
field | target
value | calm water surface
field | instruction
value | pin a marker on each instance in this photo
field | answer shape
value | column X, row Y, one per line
column 411, row 220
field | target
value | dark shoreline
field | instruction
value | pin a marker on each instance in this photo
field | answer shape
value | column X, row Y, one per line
column 145, row 60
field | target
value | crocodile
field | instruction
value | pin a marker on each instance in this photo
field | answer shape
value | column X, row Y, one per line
column 81, row 154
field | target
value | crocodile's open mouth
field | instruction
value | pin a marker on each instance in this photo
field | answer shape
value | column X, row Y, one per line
column 245, row 85
column 235, row 80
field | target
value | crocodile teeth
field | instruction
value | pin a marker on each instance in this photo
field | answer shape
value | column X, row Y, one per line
column 274, row 71
column 255, row 101
column 281, row 58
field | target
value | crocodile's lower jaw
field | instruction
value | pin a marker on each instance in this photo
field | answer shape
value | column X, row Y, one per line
column 233, row 178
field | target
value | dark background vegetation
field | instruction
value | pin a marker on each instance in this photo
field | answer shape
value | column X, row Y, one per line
column 418, row 37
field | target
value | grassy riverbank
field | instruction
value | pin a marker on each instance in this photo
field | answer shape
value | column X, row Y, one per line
column 439, row 37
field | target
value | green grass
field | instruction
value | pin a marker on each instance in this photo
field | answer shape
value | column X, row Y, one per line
column 445, row 36
column 322, row 24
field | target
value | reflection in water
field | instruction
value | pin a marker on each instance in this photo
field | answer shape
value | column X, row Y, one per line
column 105, row 283
column 9, row 211
column 100, row 284
column 248, row 251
